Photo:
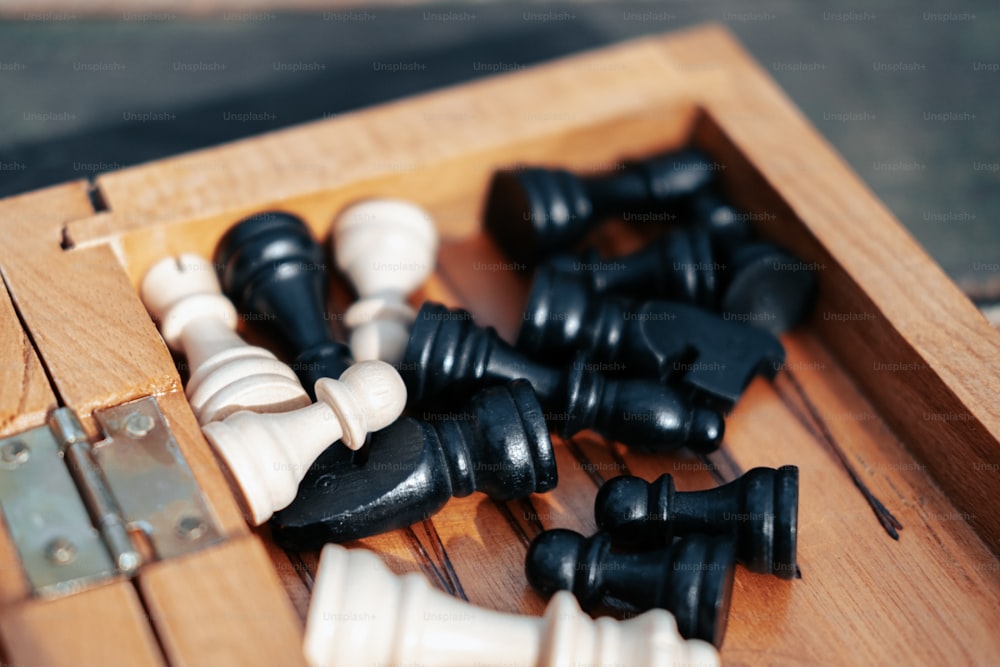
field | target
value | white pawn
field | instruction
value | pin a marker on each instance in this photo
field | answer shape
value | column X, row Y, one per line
column 227, row 374
column 387, row 248
column 269, row 454
column 363, row 614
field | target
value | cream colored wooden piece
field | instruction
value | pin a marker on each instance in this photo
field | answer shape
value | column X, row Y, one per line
column 227, row 374
column 387, row 248
column 269, row 454
column 362, row 614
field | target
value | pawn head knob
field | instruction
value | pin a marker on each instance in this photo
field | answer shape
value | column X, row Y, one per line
column 369, row 396
column 553, row 563
column 654, row 416
column 706, row 431
column 770, row 288
column 625, row 505
column 385, row 245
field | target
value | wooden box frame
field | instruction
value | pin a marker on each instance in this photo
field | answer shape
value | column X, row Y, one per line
column 896, row 375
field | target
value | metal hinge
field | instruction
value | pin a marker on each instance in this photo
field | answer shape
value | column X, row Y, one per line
column 81, row 513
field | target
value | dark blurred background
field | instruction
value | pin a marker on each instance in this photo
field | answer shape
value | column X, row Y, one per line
column 908, row 92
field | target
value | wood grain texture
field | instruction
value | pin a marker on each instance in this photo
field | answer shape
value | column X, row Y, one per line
column 99, row 627
column 25, row 395
column 916, row 345
column 222, row 606
column 90, row 328
column 102, row 627
column 892, row 341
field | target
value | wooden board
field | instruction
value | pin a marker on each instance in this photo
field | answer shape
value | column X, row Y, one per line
column 222, row 606
column 102, row 626
column 890, row 389
column 99, row 348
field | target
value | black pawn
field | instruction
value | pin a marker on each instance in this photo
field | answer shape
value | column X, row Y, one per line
column 708, row 211
column 692, row 578
column 769, row 287
column 757, row 283
column 714, row 358
column 498, row 445
column 449, row 357
column 535, row 212
column 679, row 266
column 760, row 509
column 270, row 266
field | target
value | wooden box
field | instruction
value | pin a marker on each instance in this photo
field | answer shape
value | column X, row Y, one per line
column 891, row 387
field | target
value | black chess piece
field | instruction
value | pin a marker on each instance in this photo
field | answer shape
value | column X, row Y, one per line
column 271, row 267
column 711, row 356
column 499, row 445
column 709, row 211
column 535, row 212
column 448, row 357
column 753, row 282
column 760, row 508
column 679, row 266
column 769, row 287
column 692, row 578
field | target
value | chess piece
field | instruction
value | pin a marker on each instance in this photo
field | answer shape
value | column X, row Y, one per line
column 758, row 283
column 362, row 614
column 678, row 266
column 387, row 248
column 709, row 211
column 769, row 287
column 448, row 357
column 535, row 212
column 497, row 444
column 760, row 509
column 271, row 267
column 225, row 373
column 692, row 578
column 267, row 455
column 683, row 345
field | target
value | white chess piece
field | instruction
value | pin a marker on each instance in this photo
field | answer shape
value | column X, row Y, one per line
column 387, row 248
column 269, row 454
column 227, row 374
column 361, row 614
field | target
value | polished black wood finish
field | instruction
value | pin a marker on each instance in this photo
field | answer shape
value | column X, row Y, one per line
column 448, row 357
column 535, row 212
column 708, row 355
column 760, row 509
column 754, row 282
column 692, row 578
column 498, row 445
column 272, row 268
